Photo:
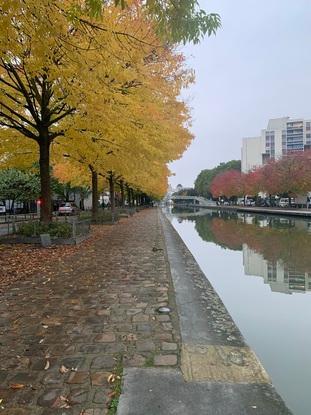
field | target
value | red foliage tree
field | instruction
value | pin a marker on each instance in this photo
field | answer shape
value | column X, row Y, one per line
column 289, row 175
column 252, row 182
column 270, row 178
column 227, row 184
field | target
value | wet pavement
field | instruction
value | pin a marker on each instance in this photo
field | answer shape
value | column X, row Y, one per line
column 64, row 331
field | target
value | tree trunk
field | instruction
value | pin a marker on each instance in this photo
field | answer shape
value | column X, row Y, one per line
column 45, row 179
column 129, row 201
column 82, row 202
column 122, row 193
column 112, row 195
column 94, row 194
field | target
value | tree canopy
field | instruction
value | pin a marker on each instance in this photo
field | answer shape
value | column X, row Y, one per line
column 289, row 175
column 182, row 21
column 203, row 181
column 18, row 185
column 99, row 92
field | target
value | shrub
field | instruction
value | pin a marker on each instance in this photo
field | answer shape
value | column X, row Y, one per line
column 55, row 229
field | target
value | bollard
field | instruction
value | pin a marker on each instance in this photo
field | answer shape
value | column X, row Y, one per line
column 45, row 240
column 74, row 230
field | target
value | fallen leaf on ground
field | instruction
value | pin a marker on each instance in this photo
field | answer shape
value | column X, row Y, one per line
column 17, row 385
column 21, row 261
column 63, row 369
column 61, row 402
column 131, row 337
column 111, row 378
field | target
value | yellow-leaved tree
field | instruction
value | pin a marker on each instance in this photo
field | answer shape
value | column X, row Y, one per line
column 105, row 95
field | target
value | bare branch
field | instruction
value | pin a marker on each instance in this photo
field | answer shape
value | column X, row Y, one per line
column 60, row 117
column 21, row 117
column 18, row 127
column 32, row 110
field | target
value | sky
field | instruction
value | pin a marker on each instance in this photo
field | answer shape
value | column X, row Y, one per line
column 257, row 67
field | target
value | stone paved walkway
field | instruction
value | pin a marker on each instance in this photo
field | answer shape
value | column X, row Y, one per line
column 62, row 333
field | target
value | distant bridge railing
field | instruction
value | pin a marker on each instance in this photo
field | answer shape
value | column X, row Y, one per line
column 192, row 201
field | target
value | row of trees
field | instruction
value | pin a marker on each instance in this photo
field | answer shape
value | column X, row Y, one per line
column 290, row 175
column 203, row 181
column 93, row 89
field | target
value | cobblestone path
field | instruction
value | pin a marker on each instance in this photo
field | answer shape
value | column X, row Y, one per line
column 63, row 333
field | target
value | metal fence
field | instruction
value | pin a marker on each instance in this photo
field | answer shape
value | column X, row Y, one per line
column 78, row 227
column 4, row 218
column 9, row 223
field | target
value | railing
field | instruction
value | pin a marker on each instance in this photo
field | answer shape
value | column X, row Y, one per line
column 78, row 227
column 80, row 224
column 17, row 217
column 108, row 216
column 81, row 228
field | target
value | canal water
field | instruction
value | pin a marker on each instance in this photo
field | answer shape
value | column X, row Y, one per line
column 261, row 268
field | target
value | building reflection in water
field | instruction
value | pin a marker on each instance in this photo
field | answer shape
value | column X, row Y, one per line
column 274, row 248
column 281, row 277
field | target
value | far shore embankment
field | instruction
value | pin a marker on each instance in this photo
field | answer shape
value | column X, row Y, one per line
column 250, row 209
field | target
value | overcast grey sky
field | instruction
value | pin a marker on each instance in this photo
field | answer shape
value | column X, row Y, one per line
column 257, row 67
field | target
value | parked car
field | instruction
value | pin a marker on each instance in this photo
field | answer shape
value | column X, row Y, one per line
column 250, row 202
column 68, row 208
column 263, row 202
column 2, row 208
column 284, row 202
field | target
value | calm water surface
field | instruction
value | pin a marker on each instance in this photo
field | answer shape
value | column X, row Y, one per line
column 261, row 268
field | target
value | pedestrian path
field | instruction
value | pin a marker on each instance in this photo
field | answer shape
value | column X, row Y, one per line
column 63, row 333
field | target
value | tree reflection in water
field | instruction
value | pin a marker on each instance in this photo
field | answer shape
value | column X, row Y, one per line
column 274, row 247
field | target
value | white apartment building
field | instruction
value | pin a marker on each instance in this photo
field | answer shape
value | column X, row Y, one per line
column 282, row 136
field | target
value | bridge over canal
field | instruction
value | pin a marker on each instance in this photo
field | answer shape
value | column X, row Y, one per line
column 192, row 201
